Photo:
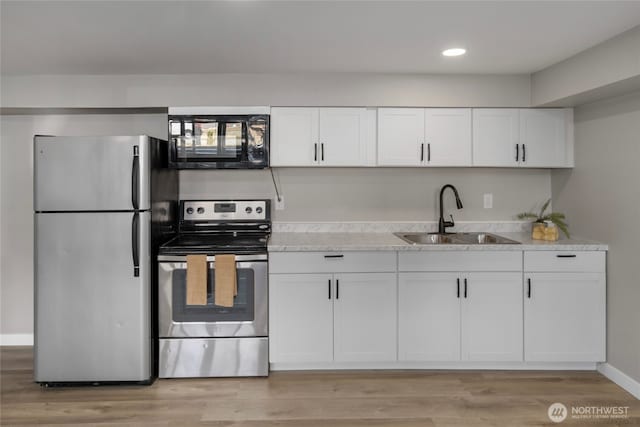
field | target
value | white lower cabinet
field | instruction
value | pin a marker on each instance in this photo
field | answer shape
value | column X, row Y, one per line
column 300, row 318
column 492, row 317
column 324, row 318
column 364, row 313
column 460, row 316
column 429, row 317
column 565, row 306
column 422, row 309
column 565, row 317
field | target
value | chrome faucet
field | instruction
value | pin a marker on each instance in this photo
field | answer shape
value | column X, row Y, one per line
column 442, row 224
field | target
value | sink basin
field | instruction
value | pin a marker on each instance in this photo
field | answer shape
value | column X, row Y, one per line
column 427, row 238
column 485, row 239
column 455, row 239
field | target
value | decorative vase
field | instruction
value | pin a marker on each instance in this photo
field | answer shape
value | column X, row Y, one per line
column 544, row 231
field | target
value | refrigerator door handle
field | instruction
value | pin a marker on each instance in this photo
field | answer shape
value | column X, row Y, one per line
column 135, row 178
column 135, row 243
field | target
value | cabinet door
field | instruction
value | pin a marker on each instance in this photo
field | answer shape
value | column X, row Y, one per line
column 564, row 317
column 365, row 317
column 344, row 137
column 429, row 317
column 294, row 136
column 492, row 317
column 447, row 134
column 496, row 137
column 300, row 318
column 542, row 137
column 401, row 137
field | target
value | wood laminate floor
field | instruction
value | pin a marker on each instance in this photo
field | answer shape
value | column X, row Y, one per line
column 306, row 399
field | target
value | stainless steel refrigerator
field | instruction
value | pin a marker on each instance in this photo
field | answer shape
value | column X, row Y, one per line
column 102, row 207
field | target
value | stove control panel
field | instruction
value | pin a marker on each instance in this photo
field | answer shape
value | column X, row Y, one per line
column 230, row 210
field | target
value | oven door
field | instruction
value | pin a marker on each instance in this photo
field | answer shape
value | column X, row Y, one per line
column 247, row 318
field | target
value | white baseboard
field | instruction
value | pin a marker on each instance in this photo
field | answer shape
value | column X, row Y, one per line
column 16, row 339
column 620, row 378
column 513, row 366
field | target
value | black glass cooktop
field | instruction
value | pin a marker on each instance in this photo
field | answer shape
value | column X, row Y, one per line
column 216, row 243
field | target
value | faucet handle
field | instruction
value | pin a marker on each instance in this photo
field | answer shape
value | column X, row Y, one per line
column 452, row 221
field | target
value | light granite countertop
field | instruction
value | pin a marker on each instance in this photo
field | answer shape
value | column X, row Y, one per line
column 284, row 241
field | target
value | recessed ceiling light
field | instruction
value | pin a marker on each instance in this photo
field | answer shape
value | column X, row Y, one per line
column 457, row 51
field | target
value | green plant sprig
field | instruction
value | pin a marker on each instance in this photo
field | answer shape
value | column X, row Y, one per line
column 556, row 217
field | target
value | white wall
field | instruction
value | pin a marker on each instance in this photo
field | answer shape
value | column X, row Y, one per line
column 607, row 69
column 378, row 194
column 329, row 89
column 601, row 199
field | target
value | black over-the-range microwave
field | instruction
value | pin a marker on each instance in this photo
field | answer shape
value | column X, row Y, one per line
column 219, row 137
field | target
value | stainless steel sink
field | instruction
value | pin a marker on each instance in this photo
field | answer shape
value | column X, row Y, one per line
column 427, row 238
column 455, row 239
column 486, row 239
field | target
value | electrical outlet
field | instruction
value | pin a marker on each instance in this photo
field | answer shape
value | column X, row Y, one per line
column 280, row 203
column 488, row 201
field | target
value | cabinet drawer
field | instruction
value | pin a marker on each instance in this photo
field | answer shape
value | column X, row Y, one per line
column 332, row 262
column 576, row 261
column 460, row 261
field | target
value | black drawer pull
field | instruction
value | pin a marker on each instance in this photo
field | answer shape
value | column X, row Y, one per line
column 329, row 286
column 334, row 256
column 566, row 256
column 458, row 293
column 465, row 287
column 529, row 288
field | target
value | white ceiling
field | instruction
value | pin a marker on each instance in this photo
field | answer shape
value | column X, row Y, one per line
column 167, row 37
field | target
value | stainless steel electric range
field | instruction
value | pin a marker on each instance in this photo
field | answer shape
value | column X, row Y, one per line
column 209, row 340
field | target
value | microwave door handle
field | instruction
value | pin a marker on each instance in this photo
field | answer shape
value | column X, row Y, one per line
column 135, row 178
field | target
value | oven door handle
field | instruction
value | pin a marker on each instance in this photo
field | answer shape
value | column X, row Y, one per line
column 212, row 258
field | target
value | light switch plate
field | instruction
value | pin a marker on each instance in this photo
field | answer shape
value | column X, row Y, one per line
column 488, row 201
column 280, row 203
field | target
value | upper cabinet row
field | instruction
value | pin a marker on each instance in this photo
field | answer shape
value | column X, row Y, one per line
column 490, row 137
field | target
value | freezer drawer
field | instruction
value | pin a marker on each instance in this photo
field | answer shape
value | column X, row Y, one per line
column 93, row 314
column 91, row 173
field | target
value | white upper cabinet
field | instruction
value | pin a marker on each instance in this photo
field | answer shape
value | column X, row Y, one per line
column 543, row 137
column 400, row 136
column 294, row 136
column 424, row 137
column 322, row 136
column 447, row 136
column 495, row 137
column 537, row 138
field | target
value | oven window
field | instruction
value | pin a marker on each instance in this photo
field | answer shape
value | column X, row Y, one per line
column 243, row 303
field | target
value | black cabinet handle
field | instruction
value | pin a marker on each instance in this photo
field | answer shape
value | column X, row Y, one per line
column 528, row 288
column 465, row 287
column 422, row 152
column 428, row 152
column 315, row 152
column 322, row 151
column 329, row 286
column 524, row 153
column 566, row 256
column 135, row 244
column 334, row 256
column 458, row 292
column 135, row 178
column 337, row 289
column 517, row 152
